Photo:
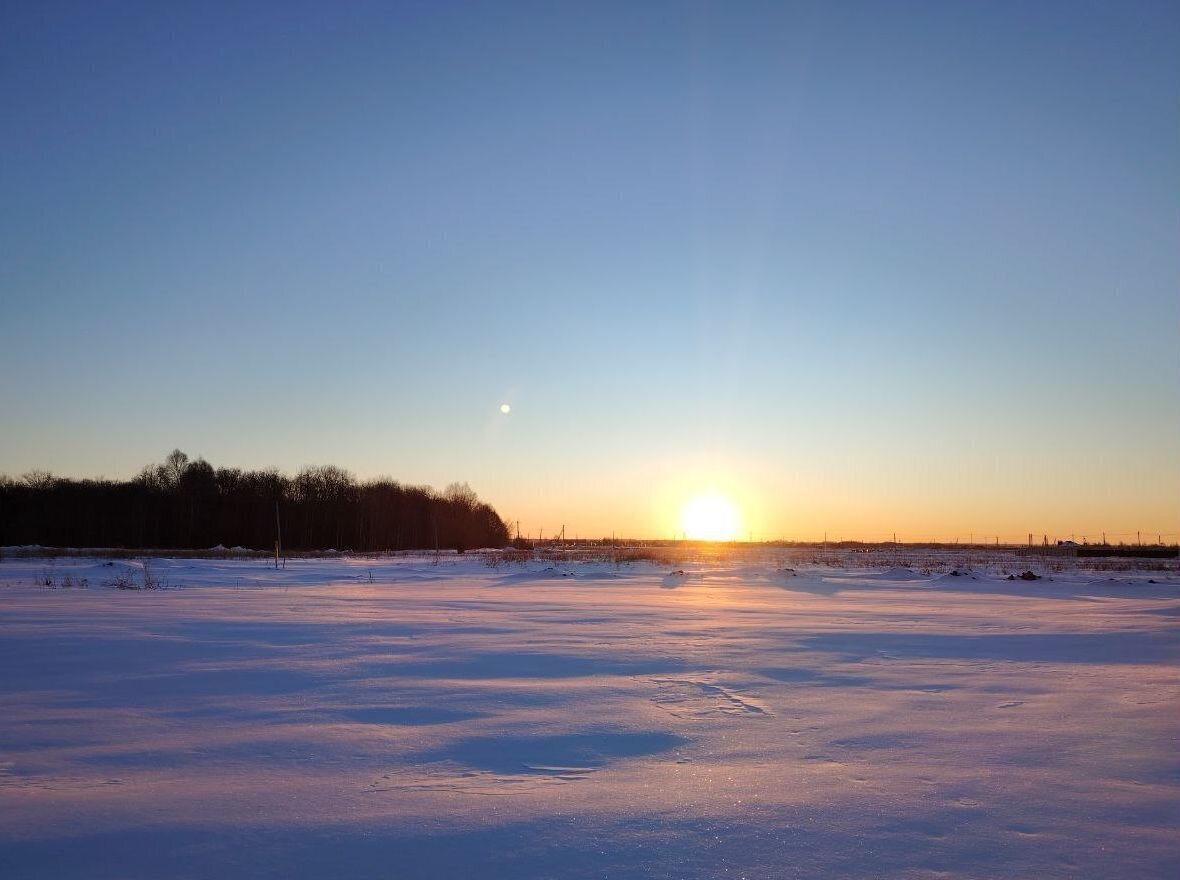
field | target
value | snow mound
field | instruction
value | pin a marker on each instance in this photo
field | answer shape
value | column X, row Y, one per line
column 544, row 574
column 958, row 577
column 899, row 574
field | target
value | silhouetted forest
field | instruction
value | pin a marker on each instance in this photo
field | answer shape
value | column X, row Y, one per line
column 183, row 504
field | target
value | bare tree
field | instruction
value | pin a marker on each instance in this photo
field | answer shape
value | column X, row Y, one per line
column 174, row 466
column 461, row 495
column 39, row 480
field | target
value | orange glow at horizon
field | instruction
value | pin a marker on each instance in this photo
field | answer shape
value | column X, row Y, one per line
column 647, row 498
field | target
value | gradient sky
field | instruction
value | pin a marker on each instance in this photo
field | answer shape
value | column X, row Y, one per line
column 864, row 267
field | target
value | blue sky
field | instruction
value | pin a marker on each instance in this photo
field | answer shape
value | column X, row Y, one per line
column 862, row 267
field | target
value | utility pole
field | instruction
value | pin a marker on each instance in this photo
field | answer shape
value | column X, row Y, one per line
column 278, row 534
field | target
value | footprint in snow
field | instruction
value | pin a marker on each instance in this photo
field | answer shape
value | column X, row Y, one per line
column 690, row 698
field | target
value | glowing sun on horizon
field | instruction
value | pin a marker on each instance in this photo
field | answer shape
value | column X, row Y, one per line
column 710, row 517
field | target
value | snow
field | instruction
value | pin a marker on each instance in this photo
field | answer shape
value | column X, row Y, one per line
column 412, row 717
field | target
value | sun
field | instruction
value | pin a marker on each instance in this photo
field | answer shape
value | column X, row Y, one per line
column 710, row 517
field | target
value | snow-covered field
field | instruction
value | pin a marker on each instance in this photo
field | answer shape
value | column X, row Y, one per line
column 398, row 718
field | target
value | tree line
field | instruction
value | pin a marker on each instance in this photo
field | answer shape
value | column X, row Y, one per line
column 189, row 504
